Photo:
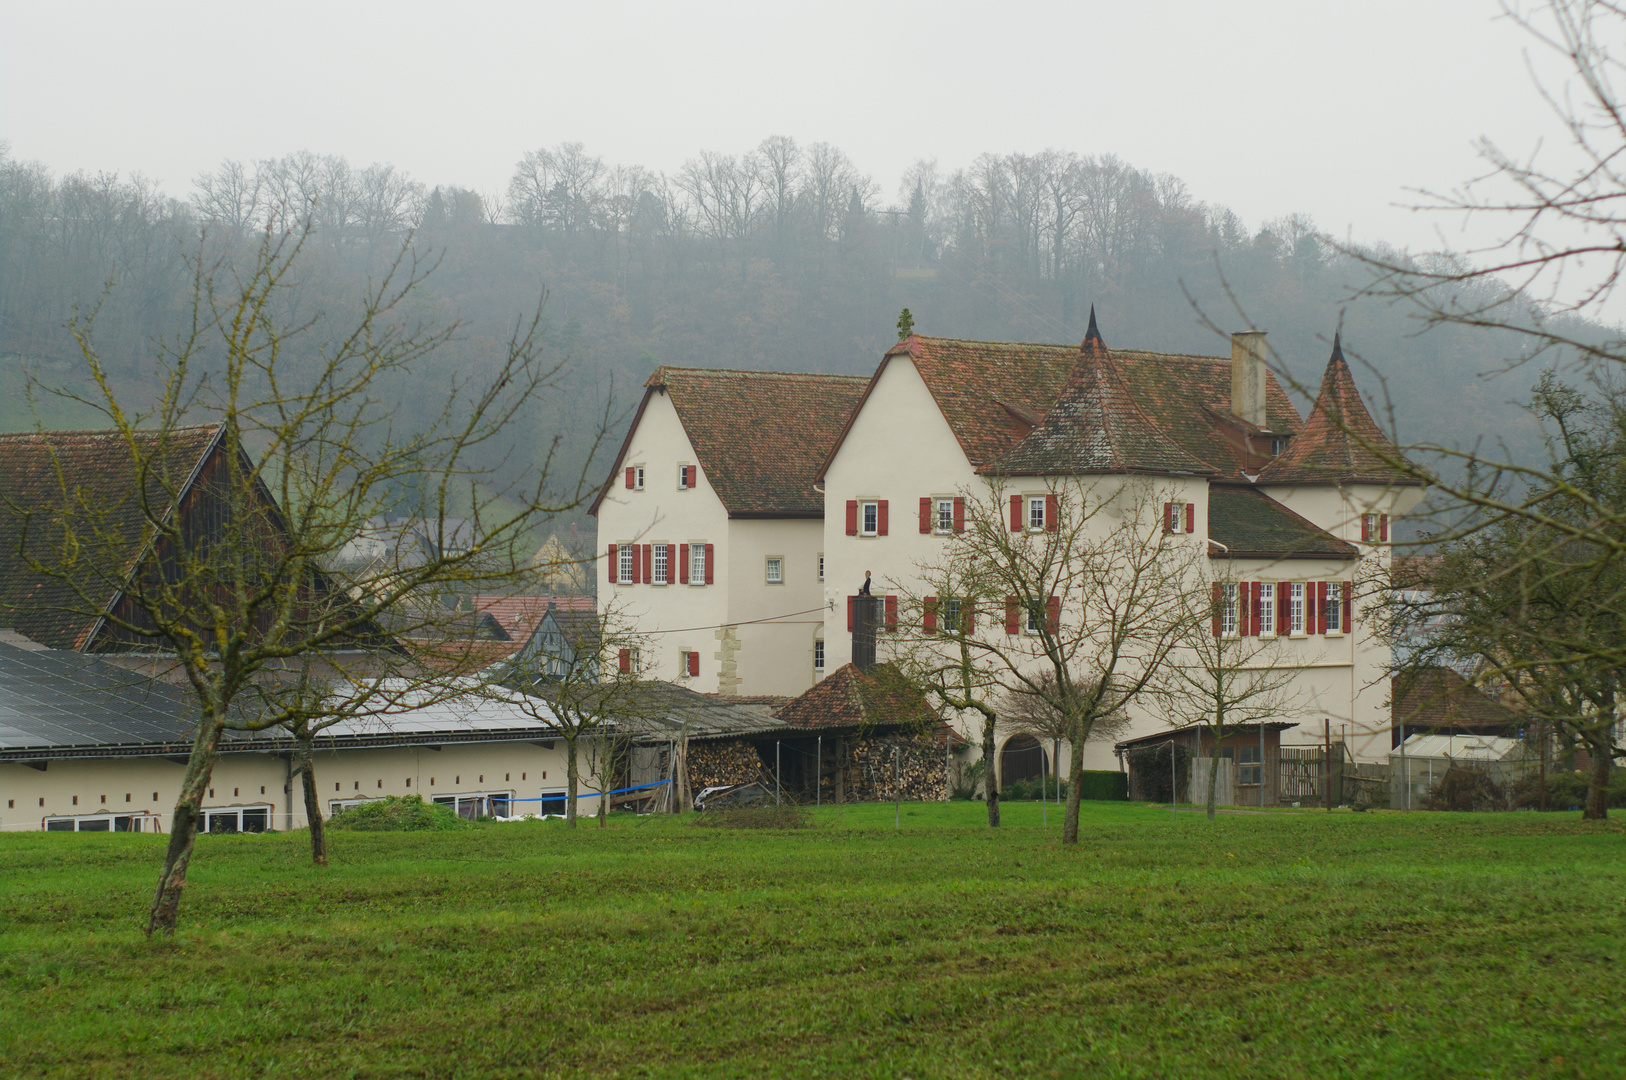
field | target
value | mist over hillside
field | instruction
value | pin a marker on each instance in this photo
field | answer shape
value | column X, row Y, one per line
column 786, row 257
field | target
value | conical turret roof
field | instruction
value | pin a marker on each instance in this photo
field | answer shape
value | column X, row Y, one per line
column 1095, row 426
column 1340, row 443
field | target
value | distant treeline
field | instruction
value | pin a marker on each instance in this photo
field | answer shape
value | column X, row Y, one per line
column 785, row 257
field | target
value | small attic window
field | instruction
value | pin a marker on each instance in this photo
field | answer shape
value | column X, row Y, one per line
column 1278, row 443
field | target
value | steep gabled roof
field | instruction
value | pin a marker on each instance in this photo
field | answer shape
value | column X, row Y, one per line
column 96, row 470
column 1250, row 524
column 989, row 391
column 1437, row 697
column 760, row 436
column 1095, row 426
column 1338, row 440
column 850, row 698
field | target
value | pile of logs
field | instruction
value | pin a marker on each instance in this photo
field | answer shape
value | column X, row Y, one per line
column 714, row 763
column 862, row 770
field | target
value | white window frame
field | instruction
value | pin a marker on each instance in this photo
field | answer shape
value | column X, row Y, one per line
column 1335, row 608
column 949, row 613
column 626, row 564
column 869, row 517
column 458, row 798
column 637, row 478
column 210, row 812
column 683, row 663
column 660, row 559
column 943, row 519
column 818, row 654
column 1177, row 517
column 773, row 569
column 1267, row 608
column 138, row 821
column 697, row 563
column 683, row 472
column 1249, row 758
column 1036, row 517
column 1296, row 608
column 1228, row 612
column 1369, row 525
column 821, row 566
column 1031, row 626
column 561, row 795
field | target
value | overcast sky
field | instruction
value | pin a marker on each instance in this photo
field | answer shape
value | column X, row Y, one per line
column 1330, row 109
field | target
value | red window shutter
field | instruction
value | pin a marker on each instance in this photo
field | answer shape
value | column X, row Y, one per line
column 850, row 600
column 1052, row 612
column 1168, row 517
column 852, row 517
column 928, row 617
column 629, row 477
column 969, row 614
column 1016, row 513
column 1254, row 604
column 615, row 567
column 1191, row 517
column 1383, row 528
column 1011, row 626
column 1349, row 607
column 1284, row 607
column 694, row 663
column 1219, row 599
column 624, row 661
column 959, row 514
column 1366, row 528
column 925, row 515
column 711, row 552
column 649, row 563
column 880, row 517
column 683, row 564
column 1321, row 607
column 1052, row 515
column 892, row 614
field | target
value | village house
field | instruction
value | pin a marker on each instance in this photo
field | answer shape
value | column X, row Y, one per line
column 1288, row 513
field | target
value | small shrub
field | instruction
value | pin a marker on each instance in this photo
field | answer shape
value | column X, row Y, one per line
column 392, row 814
column 1565, row 790
column 763, row 816
column 1464, row 787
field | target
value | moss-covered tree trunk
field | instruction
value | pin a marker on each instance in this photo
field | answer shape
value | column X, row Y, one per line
column 313, row 804
column 990, row 775
column 1075, row 785
column 1597, row 792
column 570, row 781
column 183, row 828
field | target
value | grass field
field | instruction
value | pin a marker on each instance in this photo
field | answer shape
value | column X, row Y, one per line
column 1276, row 945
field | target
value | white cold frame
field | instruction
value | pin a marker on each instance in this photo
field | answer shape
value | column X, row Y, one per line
column 477, row 804
column 141, row 822
column 233, row 819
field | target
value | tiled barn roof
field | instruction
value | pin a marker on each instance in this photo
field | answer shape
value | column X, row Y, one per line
column 1340, row 441
column 1437, row 697
column 1250, row 523
column 96, row 470
column 850, row 698
column 759, row 436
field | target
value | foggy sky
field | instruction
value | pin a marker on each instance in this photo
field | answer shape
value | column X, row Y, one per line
column 1330, row 109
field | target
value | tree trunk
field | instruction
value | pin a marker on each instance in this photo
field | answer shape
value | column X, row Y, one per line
column 313, row 805
column 990, row 776
column 570, row 782
column 183, row 829
column 1600, row 746
column 1213, row 777
column 1075, row 787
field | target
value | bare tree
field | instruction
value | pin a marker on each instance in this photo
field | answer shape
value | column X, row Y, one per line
column 1220, row 679
column 235, row 590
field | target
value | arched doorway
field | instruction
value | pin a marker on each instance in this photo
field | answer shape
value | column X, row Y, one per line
column 1021, row 758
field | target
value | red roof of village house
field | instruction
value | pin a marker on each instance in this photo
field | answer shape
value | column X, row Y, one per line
column 1340, row 443
column 760, row 436
column 850, row 698
column 993, row 394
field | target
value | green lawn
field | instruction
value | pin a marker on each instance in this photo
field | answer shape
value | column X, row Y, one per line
column 1276, row 945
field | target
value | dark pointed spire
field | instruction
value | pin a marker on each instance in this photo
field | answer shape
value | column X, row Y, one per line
column 1093, row 335
column 1337, row 348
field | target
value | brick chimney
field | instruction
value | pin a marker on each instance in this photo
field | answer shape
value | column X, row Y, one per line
column 1248, row 377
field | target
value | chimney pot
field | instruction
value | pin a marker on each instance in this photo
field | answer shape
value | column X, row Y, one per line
column 1248, row 377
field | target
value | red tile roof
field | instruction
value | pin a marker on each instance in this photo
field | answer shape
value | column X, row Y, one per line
column 519, row 615
column 994, row 393
column 850, row 698
column 1437, row 697
column 760, row 436
column 1340, row 444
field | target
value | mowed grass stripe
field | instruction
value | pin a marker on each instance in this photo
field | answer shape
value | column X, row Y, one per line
column 1260, row 945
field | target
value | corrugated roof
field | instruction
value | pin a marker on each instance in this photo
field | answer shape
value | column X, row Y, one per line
column 1340, row 443
column 1250, row 523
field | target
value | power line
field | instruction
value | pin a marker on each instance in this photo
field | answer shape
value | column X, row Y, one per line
column 745, row 622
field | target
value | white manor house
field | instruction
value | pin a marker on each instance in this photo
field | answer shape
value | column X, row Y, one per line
column 745, row 507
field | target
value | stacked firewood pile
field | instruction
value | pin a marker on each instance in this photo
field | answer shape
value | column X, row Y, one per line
column 866, row 771
column 715, row 763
